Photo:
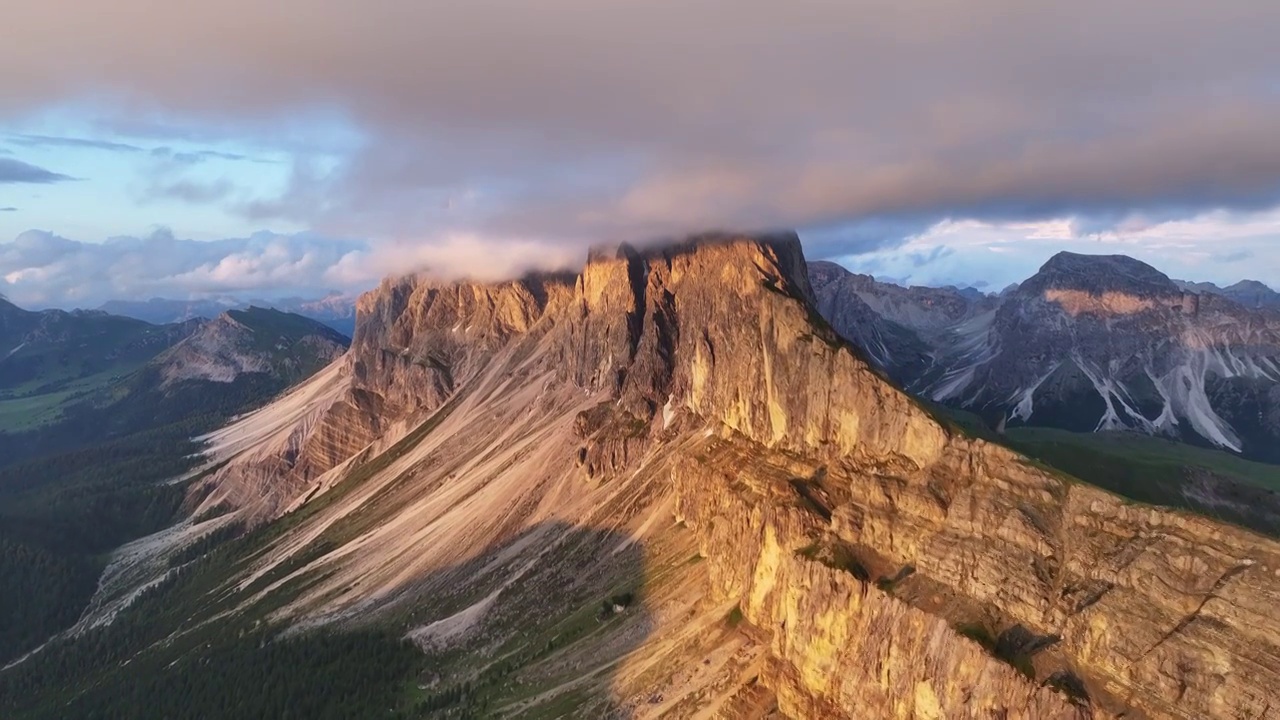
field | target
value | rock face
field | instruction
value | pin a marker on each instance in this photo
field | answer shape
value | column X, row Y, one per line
column 1088, row 343
column 417, row 341
column 884, row 565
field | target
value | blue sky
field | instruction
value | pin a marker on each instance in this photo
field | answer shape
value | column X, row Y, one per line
column 321, row 146
column 131, row 181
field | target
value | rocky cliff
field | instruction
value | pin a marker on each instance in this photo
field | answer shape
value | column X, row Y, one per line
column 884, row 564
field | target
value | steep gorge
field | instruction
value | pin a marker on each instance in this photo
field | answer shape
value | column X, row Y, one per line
column 460, row 471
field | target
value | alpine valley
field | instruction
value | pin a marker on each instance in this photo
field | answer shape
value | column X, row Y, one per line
column 682, row 483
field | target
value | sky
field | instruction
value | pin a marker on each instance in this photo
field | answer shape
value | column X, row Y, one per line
column 151, row 148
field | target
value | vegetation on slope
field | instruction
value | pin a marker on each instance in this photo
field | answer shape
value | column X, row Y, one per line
column 53, row 359
column 87, row 441
column 1148, row 469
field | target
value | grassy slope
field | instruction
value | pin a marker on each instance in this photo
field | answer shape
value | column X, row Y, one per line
column 1148, row 469
column 1158, row 457
column 72, row 356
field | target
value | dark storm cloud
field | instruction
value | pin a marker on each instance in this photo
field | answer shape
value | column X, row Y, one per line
column 16, row 171
column 627, row 118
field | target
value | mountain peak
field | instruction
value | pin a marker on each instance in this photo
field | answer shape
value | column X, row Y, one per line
column 1097, row 274
column 1253, row 294
column 1250, row 285
column 254, row 340
column 776, row 254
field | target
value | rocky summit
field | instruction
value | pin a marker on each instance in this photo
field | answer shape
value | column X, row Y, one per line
column 666, row 487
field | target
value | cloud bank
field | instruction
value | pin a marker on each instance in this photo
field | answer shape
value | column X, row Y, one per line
column 567, row 122
column 40, row 269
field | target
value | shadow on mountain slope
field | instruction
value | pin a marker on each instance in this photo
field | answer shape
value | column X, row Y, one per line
column 533, row 628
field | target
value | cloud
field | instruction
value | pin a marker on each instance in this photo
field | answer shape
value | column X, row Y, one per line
column 198, row 156
column 167, row 178
column 596, row 120
column 8, row 209
column 72, row 142
column 16, row 171
column 1232, row 257
column 1212, row 246
column 191, row 191
column 39, row 269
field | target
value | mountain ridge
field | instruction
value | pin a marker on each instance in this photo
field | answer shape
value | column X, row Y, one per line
column 1249, row 293
column 1095, row 343
column 337, row 310
column 692, row 400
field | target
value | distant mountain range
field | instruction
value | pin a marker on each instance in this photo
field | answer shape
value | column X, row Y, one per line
column 1087, row 343
column 336, row 310
column 1249, row 293
column 90, row 374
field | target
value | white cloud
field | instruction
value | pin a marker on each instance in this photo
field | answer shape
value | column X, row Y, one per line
column 40, row 269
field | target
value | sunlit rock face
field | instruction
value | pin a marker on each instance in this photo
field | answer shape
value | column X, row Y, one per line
column 691, row 396
column 1088, row 343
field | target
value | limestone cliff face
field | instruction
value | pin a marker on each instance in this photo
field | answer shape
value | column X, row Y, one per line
column 1130, row 608
column 724, row 328
column 893, row 567
column 1124, row 608
column 418, row 340
column 841, row 646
